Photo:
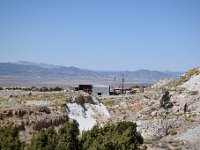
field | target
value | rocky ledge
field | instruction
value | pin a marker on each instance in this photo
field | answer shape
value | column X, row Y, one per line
column 32, row 119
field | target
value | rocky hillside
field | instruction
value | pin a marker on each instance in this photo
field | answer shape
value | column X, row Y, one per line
column 172, row 124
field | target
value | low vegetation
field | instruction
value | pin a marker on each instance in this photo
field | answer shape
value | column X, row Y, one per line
column 189, row 118
column 60, row 101
column 194, row 92
column 187, row 76
column 42, row 89
column 110, row 102
column 173, row 131
column 165, row 101
column 81, row 99
column 49, row 139
column 122, row 136
column 9, row 139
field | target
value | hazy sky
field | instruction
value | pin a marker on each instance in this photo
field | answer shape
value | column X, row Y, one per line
column 102, row 34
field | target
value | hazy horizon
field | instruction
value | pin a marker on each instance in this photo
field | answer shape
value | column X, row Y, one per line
column 102, row 35
column 60, row 65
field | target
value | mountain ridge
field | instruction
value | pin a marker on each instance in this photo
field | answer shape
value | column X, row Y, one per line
column 31, row 70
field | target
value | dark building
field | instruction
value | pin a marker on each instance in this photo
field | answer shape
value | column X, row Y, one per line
column 86, row 88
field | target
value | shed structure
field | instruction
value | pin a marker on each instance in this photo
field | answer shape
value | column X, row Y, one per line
column 101, row 90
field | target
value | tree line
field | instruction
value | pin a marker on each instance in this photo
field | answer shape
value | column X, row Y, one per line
column 33, row 88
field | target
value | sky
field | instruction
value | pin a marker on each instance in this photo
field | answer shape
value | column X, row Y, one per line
column 102, row 34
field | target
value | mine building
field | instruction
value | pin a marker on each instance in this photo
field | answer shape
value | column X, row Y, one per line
column 86, row 88
column 100, row 90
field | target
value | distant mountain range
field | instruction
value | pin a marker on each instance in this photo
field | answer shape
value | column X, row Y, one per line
column 43, row 65
column 32, row 70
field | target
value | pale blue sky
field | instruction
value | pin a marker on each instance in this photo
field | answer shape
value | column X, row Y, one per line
column 102, row 34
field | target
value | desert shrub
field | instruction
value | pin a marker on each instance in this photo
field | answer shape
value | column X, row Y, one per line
column 29, row 94
column 194, row 92
column 173, row 131
column 192, row 72
column 189, row 118
column 80, row 100
column 68, row 137
column 165, row 101
column 89, row 99
column 110, row 102
column 135, row 86
column 164, row 116
column 11, row 96
column 45, row 140
column 33, row 88
column 44, row 89
column 49, row 139
column 60, row 101
column 147, row 117
column 9, row 138
column 57, row 89
column 144, row 147
column 122, row 136
column 185, row 108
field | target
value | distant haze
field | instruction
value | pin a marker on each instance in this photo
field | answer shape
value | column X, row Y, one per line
column 102, row 35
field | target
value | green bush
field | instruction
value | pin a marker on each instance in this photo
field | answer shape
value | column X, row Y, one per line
column 49, row 139
column 165, row 101
column 172, row 131
column 9, row 138
column 44, row 140
column 110, row 102
column 189, row 118
column 122, row 136
column 68, row 137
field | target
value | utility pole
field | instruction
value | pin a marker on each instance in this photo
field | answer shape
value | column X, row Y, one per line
column 123, row 85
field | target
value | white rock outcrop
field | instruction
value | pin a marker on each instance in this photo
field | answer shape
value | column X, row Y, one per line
column 193, row 84
column 88, row 115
